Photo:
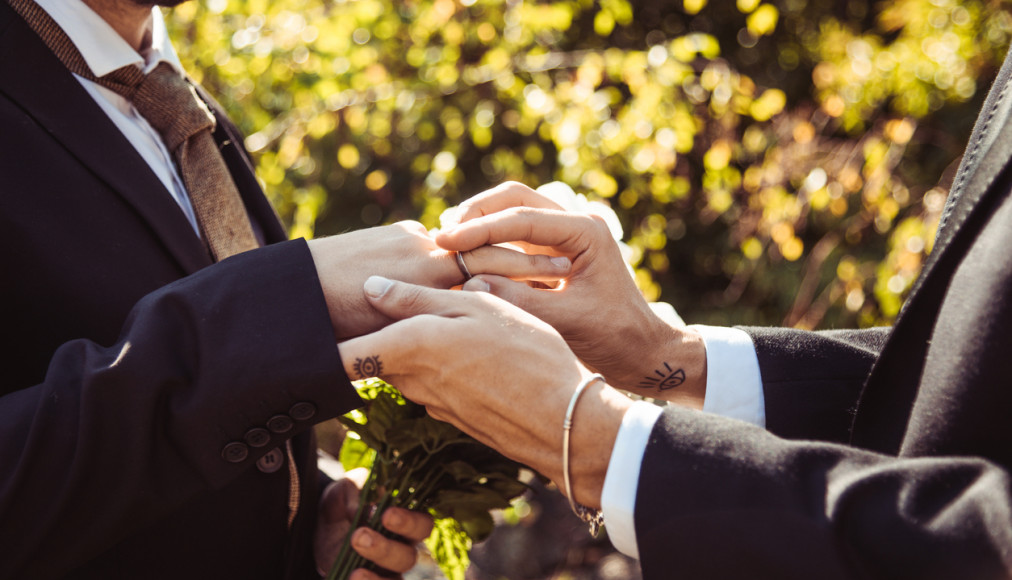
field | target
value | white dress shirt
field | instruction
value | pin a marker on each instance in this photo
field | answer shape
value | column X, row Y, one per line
column 105, row 51
column 733, row 389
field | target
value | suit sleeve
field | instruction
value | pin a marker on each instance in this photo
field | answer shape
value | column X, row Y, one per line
column 117, row 436
column 812, row 380
column 722, row 499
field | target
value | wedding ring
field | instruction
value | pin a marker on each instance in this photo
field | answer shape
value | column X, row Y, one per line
column 463, row 266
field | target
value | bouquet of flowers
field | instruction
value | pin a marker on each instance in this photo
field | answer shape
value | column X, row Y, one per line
column 419, row 463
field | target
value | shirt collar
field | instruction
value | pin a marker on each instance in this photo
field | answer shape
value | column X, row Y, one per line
column 101, row 46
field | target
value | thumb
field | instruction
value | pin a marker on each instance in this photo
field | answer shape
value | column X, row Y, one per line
column 400, row 300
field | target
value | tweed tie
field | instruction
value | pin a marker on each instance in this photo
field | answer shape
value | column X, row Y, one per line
column 169, row 104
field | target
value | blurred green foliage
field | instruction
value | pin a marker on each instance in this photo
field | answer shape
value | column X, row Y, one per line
column 772, row 162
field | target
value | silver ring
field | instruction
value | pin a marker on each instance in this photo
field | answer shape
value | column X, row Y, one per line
column 463, row 266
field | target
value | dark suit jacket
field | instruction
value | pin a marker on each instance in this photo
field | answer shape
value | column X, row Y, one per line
column 133, row 369
column 887, row 453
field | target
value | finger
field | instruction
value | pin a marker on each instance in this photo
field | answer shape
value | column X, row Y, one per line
column 412, row 525
column 568, row 233
column 363, row 574
column 477, row 284
column 503, row 196
column 400, row 300
column 336, row 501
column 412, row 226
column 514, row 264
column 426, row 309
column 381, row 353
column 385, row 552
column 340, row 499
column 537, row 301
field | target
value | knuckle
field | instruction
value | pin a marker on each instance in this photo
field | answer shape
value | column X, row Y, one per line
column 482, row 259
column 412, row 298
column 524, row 211
column 511, row 184
column 411, row 226
column 600, row 226
column 408, row 560
column 392, row 555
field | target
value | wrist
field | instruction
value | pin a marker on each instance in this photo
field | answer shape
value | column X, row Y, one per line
column 669, row 364
column 596, row 420
column 685, row 350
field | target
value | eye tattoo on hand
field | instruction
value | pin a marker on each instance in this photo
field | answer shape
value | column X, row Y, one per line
column 666, row 379
column 368, row 367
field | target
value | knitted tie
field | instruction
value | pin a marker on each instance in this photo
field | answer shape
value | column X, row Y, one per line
column 171, row 105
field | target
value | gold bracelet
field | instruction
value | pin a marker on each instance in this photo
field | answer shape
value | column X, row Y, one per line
column 594, row 518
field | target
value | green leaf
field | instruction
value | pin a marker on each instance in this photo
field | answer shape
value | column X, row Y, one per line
column 383, row 414
column 364, row 431
column 479, row 526
column 461, row 471
column 453, row 502
column 355, row 453
column 449, row 545
column 403, row 437
column 507, row 487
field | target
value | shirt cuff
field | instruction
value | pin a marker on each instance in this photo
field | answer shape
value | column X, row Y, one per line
column 733, row 389
column 618, row 497
column 733, row 384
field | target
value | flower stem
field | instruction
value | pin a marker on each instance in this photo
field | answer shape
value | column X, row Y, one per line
column 365, row 496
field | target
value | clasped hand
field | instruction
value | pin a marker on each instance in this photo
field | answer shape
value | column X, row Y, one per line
column 596, row 306
column 504, row 372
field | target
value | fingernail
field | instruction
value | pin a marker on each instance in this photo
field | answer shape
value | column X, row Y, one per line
column 363, row 540
column 377, row 286
column 477, row 285
column 561, row 262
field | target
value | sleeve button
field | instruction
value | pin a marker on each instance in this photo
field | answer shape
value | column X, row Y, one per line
column 235, row 452
column 257, row 437
column 280, row 423
column 272, row 461
column 302, row 411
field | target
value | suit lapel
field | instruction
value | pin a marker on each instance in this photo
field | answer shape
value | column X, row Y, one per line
column 987, row 153
column 31, row 76
column 888, row 396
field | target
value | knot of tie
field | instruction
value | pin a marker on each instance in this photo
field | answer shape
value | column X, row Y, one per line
column 172, row 106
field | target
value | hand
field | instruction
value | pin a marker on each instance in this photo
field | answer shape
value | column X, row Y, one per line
column 404, row 250
column 495, row 372
column 337, row 508
column 597, row 307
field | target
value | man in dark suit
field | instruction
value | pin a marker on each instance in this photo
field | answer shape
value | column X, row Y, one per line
column 886, row 453
column 156, row 407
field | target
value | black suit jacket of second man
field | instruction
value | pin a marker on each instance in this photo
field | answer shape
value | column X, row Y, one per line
column 888, row 453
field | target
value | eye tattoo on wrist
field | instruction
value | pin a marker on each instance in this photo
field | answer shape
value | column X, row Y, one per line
column 370, row 366
column 667, row 378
